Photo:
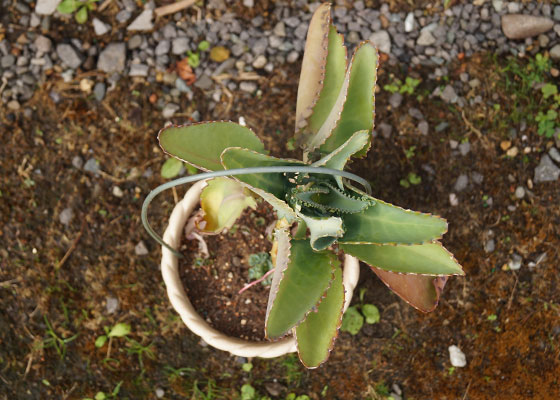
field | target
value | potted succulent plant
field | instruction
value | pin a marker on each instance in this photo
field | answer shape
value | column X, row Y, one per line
column 320, row 212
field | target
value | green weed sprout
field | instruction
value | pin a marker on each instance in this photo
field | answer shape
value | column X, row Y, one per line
column 334, row 122
column 80, row 7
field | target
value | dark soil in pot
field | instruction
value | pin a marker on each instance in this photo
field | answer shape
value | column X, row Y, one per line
column 213, row 283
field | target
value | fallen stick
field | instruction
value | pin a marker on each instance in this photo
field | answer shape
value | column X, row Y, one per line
column 173, row 8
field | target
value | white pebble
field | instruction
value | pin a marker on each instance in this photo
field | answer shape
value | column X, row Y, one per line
column 117, row 192
column 453, row 200
column 457, row 357
column 160, row 393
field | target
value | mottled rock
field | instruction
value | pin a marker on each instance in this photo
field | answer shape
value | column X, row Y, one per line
column 46, row 7
column 69, row 55
column 554, row 154
column 396, row 100
column 461, row 183
column 100, row 27
column 43, row 44
column 112, row 58
column 66, row 216
column 382, row 41
column 519, row 26
column 425, row 39
column 140, row 249
column 546, row 171
column 99, row 91
column 555, row 52
column 143, row 22
column 457, row 357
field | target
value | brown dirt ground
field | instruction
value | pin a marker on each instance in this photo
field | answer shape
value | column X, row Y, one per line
column 55, row 279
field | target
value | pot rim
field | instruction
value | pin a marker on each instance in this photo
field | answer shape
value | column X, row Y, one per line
column 195, row 322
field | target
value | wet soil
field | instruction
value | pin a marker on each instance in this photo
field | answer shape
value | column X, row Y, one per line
column 56, row 280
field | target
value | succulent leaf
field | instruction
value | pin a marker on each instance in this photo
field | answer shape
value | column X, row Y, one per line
column 283, row 210
column 316, row 335
column 338, row 158
column 301, row 287
column 330, row 199
column 420, row 291
column 235, row 157
column 202, row 144
column 424, row 259
column 385, row 223
column 223, row 201
column 313, row 64
column 358, row 110
column 335, row 70
column 323, row 231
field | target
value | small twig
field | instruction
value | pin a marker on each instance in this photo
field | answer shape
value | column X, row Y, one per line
column 262, row 278
column 467, row 390
column 29, row 363
column 104, row 5
column 72, row 247
column 172, row 8
column 9, row 282
column 470, row 125
column 175, row 195
column 111, row 177
column 74, row 386
column 512, row 292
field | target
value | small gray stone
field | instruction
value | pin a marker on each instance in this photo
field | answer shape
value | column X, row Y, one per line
column 554, row 154
column 396, row 100
column 77, row 162
column 123, row 16
column 169, row 31
column 448, row 94
column 385, row 129
column 43, row 44
column 415, row 113
column 259, row 62
column 453, row 200
column 515, row 262
column 92, row 165
column 555, row 52
column 143, row 22
column 546, row 171
column 442, row 126
column 112, row 58
column 69, row 55
column 99, row 91
column 464, row 148
column 409, row 22
column 66, row 216
column 425, row 39
column 498, row 5
column 248, row 86
column 249, row 3
column 520, row 192
column 159, row 391
column 34, row 21
column 461, row 183
column 180, row 45
column 7, row 61
column 513, row 7
column 556, row 14
column 138, row 70
column 100, row 27
column 279, row 29
column 518, row 26
column 292, row 57
column 140, row 249
column 204, row 82
column 169, row 110
column 13, row 105
column 423, row 127
column 111, row 304
column 162, row 47
column 117, row 192
column 382, row 41
column 134, row 42
column 489, row 246
column 46, row 7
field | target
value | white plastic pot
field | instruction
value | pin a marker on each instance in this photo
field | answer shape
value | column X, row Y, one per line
column 181, row 303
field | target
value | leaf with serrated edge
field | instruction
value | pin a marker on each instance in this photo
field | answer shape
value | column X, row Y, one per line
column 274, row 183
column 358, row 110
column 335, row 70
column 323, row 231
column 423, row 259
column 201, row 144
column 302, row 285
column 331, row 199
column 385, row 223
column 338, row 158
column 420, row 291
column 316, row 335
column 281, row 263
column 223, row 200
column 313, row 64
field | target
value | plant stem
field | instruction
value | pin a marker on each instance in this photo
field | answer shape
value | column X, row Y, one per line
column 262, row 278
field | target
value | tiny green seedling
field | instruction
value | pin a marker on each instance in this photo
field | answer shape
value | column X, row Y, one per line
column 354, row 317
column 80, row 7
column 334, row 122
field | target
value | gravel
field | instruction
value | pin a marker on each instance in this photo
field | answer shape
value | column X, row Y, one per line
column 554, row 154
column 457, row 357
column 140, row 249
column 100, row 28
column 546, row 171
column 66, row 216
column 382, row 40
column 92, row 165
column 99, row 91
column 143, row 22
column 69, row 55
column 396, row 100
column 112, row 58
column 461, row 183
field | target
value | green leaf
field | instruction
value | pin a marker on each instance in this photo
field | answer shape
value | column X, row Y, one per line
column 68, row 6
column 323, row 231
column 100, row 396
column 358, row 111
column 371, row 313
column 330, row 199
column 352, row 321
column 313, row 64
column 248, row 392
column 301, row 286
column 549, row 89
column 316, row 335
column 283, row 210
column 119, row 330
column 420, row 291
column 338, row 158
column 81, row 15
column 202, row 144
column 426, row 259
column 204, row 45
column 335, row 71
column 274, row 183
column 100, row 341
column 386, row 223
column 171, row 168
column 223, row 201
column 247, row 367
